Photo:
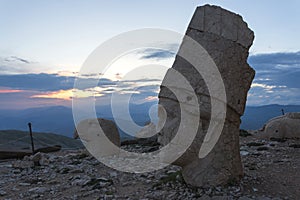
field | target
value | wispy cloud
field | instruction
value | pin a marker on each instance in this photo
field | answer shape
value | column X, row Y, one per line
column 276, row 80
column 266, row 87
column 17, row 59
column 7, row 91
column 166, row 51
column 39, row 82
column 35, row 89
column 157, row 54
column 18, row 65
column 61, row 94
column 276, row 60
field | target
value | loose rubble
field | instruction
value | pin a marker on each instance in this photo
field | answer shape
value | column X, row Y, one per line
column 271, row 173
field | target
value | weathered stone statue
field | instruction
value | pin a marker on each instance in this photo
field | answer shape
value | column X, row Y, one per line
column 286, row 126
column 227, row 39
column 90, row 134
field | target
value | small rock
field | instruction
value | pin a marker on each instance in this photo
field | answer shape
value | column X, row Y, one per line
column 278, row 139
column 22, row 164
column 244, row 133
column 244, row 198
column 254, row 144
column 171, row 171
column 24, row 184
column 38, row 190
column 80, row 182
column 76, row 171
column 262, row 148
column 36, row 157
column 16, row 171
column 263, row 198
column 40, row 159
column 244, row 153
column 221, row 198
column 44, row 161
column 205, row 197
column 295, row 146
column 113, row 174
column 2, row 193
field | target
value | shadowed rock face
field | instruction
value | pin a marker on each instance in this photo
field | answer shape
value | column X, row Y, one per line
column 227, row 39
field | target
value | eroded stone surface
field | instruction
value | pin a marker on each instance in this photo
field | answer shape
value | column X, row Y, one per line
column 147, row 131
column 212, row 19
column 286, row 126
column 95, row 141
column 227, row 39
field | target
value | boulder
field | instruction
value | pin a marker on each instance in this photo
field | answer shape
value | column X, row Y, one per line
column 40, row 159
column 91, row 136
column 147, row 131
column 227, row 39
column 285, row 126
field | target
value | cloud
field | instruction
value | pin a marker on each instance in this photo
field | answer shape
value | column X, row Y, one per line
column 157, row 54
column 276, row 80
column 53, row 82
column 283, row 96
column 144, row 80
column 18, row 65
column 39, row 82
column 49, row 82
column 267, row 87
column 36, row 89
column 151, row 98
column 61, row 94
column 17, row 59
column 276, row 60
column 165, row 52
column 4, row 90
column 22, row 100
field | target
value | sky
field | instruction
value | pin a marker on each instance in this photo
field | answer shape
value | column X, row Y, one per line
column 43, row 45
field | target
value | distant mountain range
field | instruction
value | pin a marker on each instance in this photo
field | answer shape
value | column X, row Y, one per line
column 59, row 119
column 255, row 117
column 20, row 140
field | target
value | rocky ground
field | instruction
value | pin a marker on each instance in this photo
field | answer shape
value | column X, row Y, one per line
column 271, row 172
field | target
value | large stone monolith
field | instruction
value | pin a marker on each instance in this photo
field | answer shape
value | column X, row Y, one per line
column 227, row 39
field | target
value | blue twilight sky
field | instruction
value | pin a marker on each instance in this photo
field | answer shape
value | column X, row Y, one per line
column 43, row 43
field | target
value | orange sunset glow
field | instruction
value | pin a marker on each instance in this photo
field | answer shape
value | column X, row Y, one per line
column 61, row 94
column 4, row 91
column 69, row 94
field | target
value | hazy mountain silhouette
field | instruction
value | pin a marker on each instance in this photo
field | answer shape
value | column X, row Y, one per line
column 20, row 140
column 255, row 117
column 59, row 119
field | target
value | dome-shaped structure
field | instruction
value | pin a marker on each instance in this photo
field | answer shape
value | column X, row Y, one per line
column 286, row 126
